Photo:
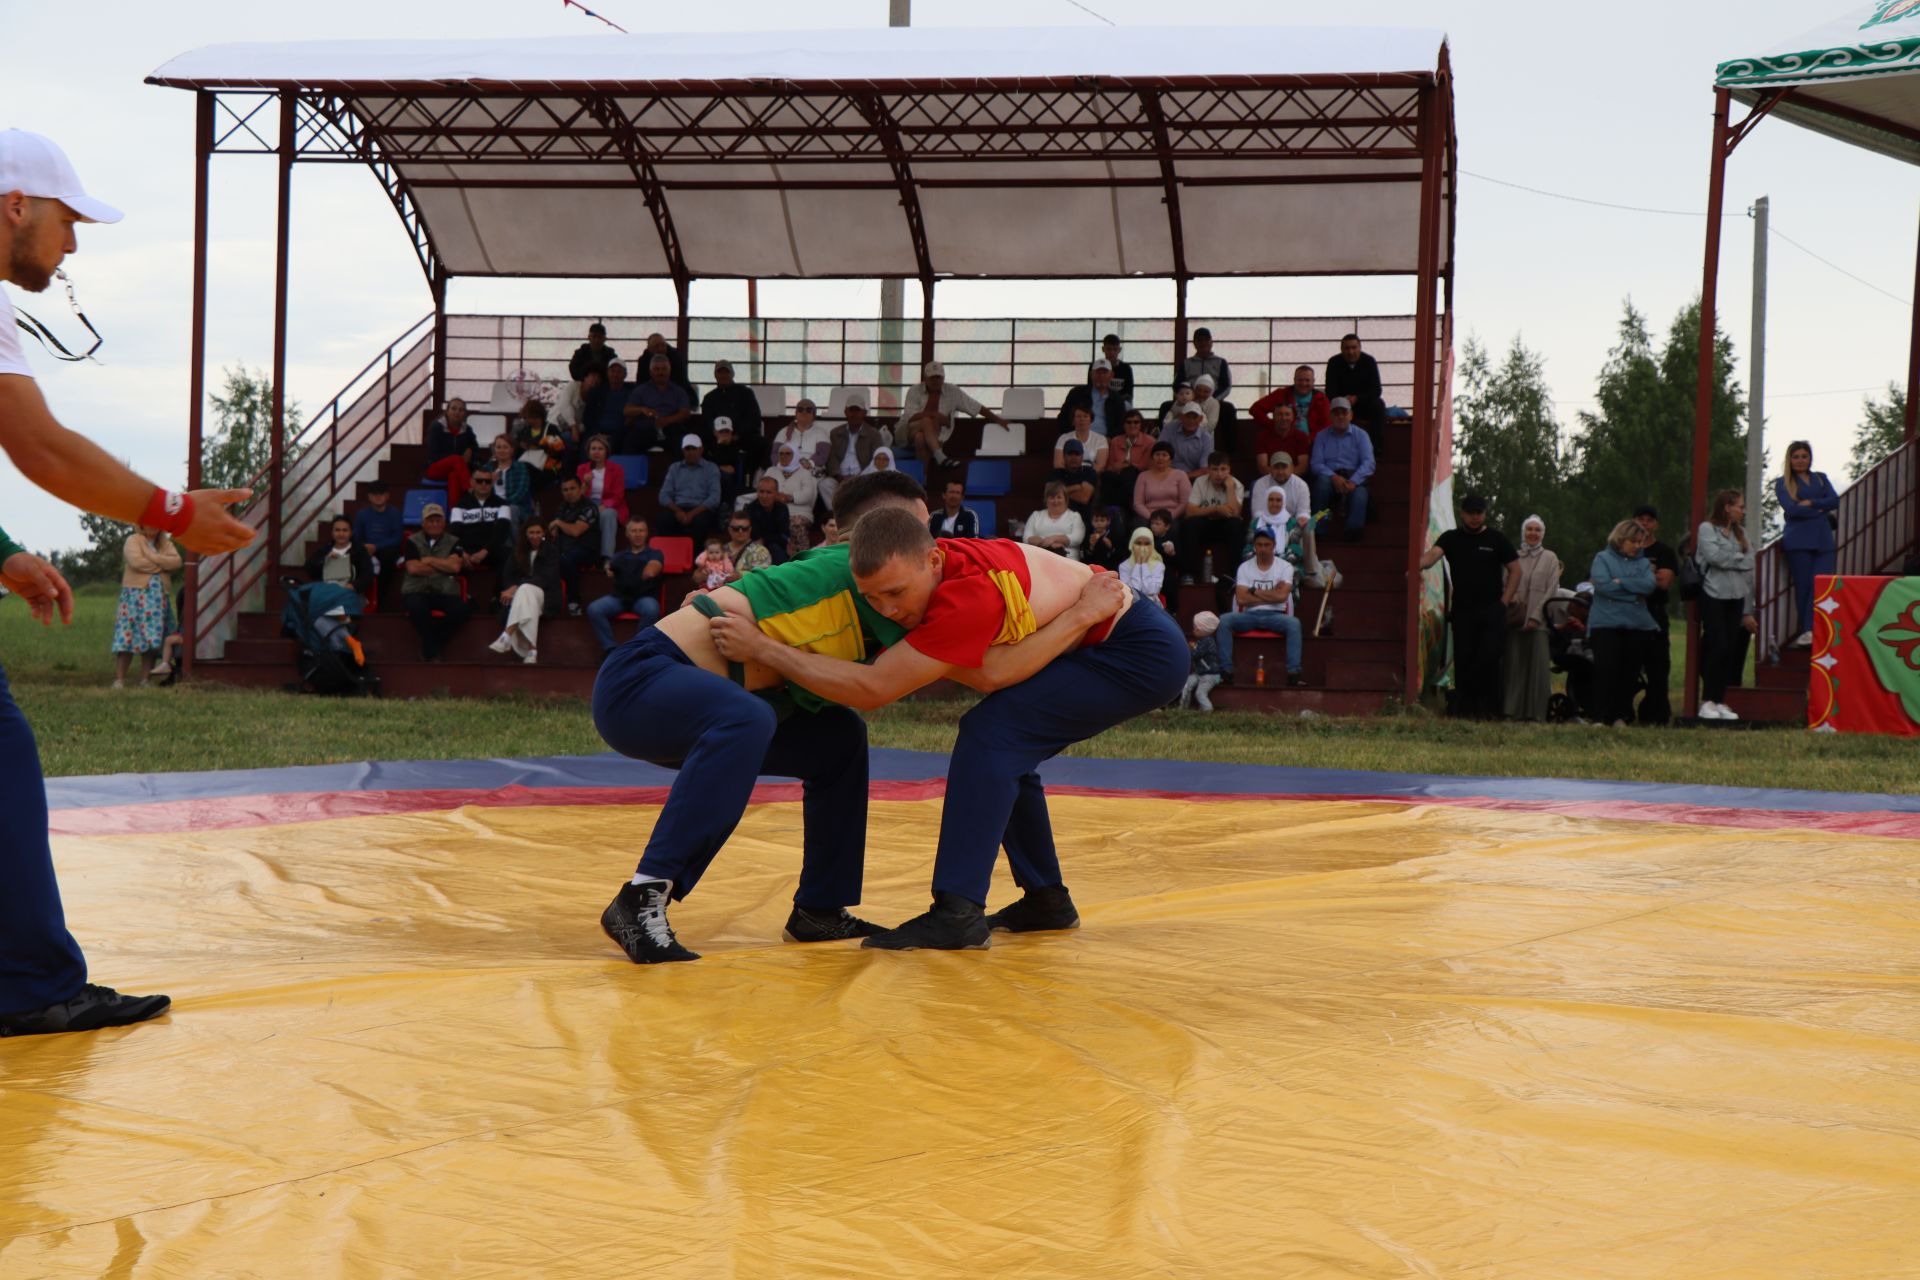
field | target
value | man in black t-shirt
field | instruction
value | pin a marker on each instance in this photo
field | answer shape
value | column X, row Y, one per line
column 482, row 523
column 1657, row 660
column 1486, row 575
column 576, row 529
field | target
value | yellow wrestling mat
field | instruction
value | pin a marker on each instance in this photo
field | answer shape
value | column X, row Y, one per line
column 1292, row 1039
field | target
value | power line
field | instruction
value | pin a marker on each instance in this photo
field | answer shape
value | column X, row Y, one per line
column 1842, row 270
column 1103, row 17
column 1598, row 204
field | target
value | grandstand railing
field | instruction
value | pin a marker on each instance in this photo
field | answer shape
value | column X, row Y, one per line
column 338, row 447
column 1876, row 534
column 812, row 356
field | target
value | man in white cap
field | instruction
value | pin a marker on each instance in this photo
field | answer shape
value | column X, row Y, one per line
column 1100, row 398
column 926, row 415
column 690, row 494
column 735, row 402
column 43, row 975
column 1341, row 464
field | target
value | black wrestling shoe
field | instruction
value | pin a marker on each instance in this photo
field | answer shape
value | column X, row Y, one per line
column 637, row 922
column 836, row 925
column 95, row 1007
column 952, row 923
column 1037, row 911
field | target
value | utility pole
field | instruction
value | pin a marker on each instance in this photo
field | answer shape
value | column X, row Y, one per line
column 893, row 296
column 1757, row 405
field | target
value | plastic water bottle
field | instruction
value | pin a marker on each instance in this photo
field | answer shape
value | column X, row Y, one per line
column 1206, row 567
column 1260, row 669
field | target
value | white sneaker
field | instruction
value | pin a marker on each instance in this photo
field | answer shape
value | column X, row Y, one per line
column 119, row 684
column 532, row 656
column 1802, row 641
column 1728, row 713
column 502, row 644
column 1716, row 711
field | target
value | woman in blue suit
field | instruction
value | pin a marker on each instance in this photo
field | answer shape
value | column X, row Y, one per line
column 1808, row 501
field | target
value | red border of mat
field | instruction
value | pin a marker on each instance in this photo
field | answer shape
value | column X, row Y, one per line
column 237, row 812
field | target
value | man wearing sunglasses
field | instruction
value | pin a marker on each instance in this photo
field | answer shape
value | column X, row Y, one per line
column 43, row 975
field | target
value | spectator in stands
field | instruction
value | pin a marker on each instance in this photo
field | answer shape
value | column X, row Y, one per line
column 576, row 531
column 1170, row 411
column 1121, row 370
column 144, row 618
column 1619, row 625
column 1341, row 464
column 343, row 561
column 1657, row 707
column 604, row 408
column 1100, row 549
column 713, row 568
column 690, row 493
column 529, row 591
column 1262, row 601
column 1203, row 363
column 928, row 411
column 1486, row 575
column 1529, row 664
column 379, row 528
column 829, row 532
column 1220, row 416
column 882, row 460
column 1809, row 502
column 592, row 356
column 635, row 572
column 659, row 403
column 1309, row 404
column 1206, row 671
column 1215, row 523
column 1057, row 527
column 727, row 455
column 1271, row 514
column 451, row 450
column 954, row 519
column 850, row 448
column 1106, row 408
column 1144, row 569
column 1162, row 486
column 1727, row 619
column 1282, row 477
column 745, row 550
column 736, row 402
column 1093, row 445
column 1080, row 481
column 809, row 437
column 605, row 484
column 512, row 481
column 1353, row 375
column 1160, row 527
column 543, row 445
column 1128, row 454
column 657, row 345
column 1191, row 442
column 434, row 583
column 482, row 524
column 1281, row 434
column 770, row 520
column 795, row 487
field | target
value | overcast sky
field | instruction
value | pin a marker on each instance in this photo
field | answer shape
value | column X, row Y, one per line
column 1611, row 103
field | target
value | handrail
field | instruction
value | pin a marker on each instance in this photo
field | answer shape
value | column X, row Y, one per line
column 383, row 401
column 1876, row 534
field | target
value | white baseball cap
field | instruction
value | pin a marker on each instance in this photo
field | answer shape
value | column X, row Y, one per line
column 723, row 424
column 690, row 441
column 934, row 369
column 34, row 166
column 1192, row 410
column 1340, row 402
column 1102, row 364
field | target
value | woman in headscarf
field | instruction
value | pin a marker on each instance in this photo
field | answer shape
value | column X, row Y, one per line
column 1529, row 668
column 1143, row 569
column 798, row 490
column 882, row 461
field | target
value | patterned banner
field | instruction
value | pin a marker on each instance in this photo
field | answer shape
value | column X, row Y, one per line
column 1866, row 656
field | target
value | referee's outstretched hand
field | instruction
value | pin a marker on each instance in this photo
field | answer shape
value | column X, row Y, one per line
column 214, row 529
column 40, row 585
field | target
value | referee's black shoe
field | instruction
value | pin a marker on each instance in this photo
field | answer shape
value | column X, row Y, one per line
column 1037, row 911
column 95, row 1007
column 836, row 925
column 637, row 922
column 952, row 923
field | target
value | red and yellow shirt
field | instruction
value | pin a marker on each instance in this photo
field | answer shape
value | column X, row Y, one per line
column 982, row 600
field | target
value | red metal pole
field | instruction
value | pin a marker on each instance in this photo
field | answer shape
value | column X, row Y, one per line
column 926, row 322
column 1179, row 327
column 439, row 340
column 1913, row 399
column 196, row 365
column 1703, row 394
column 1421, row 437
column 683, row 289
column 753, row 331
column 288, row 108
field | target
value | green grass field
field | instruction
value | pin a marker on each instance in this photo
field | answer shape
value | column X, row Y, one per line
column 60, row 677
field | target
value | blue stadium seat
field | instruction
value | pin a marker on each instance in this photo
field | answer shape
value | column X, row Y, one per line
column 990, row 477
column 417, row 500
column 989, row 516
column 911, row 467
column 635, row 467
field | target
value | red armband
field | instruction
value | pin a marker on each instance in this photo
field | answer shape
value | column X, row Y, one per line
column 168, row 512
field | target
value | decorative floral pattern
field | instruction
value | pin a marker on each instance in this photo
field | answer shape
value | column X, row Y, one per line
column 1902, row 635
column 1891, row 11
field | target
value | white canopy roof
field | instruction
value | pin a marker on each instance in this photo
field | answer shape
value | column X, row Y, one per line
column 1856, row 78
column 882, row 151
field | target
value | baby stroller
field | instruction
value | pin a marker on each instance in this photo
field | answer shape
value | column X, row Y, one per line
column 1566, row 617
column 319, row 615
